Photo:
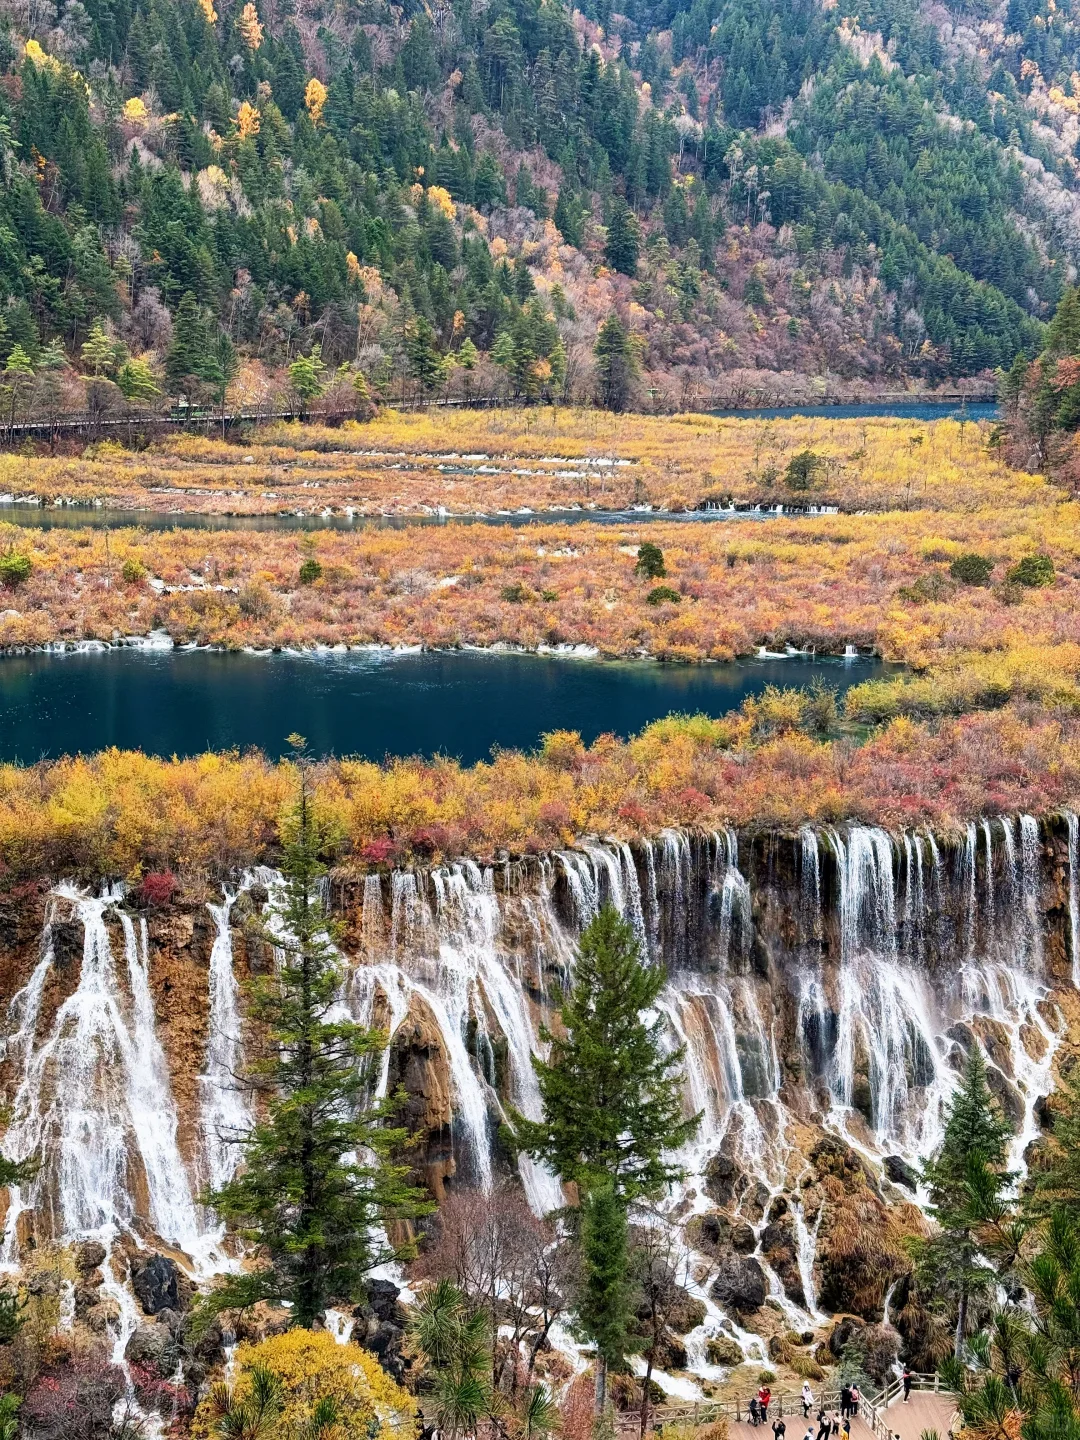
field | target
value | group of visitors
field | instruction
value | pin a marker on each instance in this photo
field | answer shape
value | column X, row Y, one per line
column 830, row 1425
column 849, row 1401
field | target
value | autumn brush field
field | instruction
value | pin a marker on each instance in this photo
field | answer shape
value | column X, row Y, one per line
column 880, row 579
column 985, row 717
column 485, row 461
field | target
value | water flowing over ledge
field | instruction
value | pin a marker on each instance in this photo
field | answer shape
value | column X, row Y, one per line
column 826, row 987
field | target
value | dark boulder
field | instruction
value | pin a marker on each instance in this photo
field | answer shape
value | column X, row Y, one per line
column 67, row 943
column 901, row 1173
column 380, row 1326
column 779, row 1247
column 721, row 1175
column 739, row 1284
column 89, row 1256
column 150, row 1345
column 159, row 1285
column 715, row 1232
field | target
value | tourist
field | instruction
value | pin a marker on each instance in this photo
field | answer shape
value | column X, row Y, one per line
column 845, row 1401
column 835, row 1423
column 764, row 1395
column 779, row 1429
column 845, row 1429
column 755, row 1413
column 854, row 1400
column 807, row 1399
column 907, row 1383
column 823, row 1424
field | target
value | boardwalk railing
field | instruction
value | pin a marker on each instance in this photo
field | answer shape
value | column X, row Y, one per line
column 786, row 1402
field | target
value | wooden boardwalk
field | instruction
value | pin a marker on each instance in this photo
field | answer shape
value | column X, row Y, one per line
column 924, row 1411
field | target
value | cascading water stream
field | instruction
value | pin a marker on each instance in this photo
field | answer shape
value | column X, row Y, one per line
column 899, row 951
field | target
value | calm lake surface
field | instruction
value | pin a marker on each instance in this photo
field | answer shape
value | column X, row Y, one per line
column 371, row 704
column 934, row 410
column 77, row 517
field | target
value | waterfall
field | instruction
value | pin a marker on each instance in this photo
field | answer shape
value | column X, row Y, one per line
column 892, row 953
column 151, row 1104
column 809, row 884
column 95, row 1093
column 226, row 1114
column 1031, row 882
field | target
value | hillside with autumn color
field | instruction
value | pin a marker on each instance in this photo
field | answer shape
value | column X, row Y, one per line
column 273, row 205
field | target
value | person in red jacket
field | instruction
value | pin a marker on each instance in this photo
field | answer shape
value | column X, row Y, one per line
column 764, row 1395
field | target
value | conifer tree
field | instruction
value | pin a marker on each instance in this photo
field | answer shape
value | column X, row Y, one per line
column 186, row 356
column 612, row 1116
column 611, row 1095
column 604, row 1301
column 965, row 1180
column 317, row 1173
column 1057, row 1178
column 616, row 364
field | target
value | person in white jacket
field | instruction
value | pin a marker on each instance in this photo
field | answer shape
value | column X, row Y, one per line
column 807, row 1399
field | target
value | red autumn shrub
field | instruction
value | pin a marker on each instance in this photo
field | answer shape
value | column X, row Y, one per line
column 379, row 852
column 157, row 889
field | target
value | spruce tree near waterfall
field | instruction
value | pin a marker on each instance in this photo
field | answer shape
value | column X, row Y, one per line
column 965, row 1180
column 317, row 1176
column 612, row 1117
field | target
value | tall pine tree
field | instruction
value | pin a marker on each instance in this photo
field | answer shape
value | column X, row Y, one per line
column 612, row 1116
column 965, row 1180
column 317, row 1176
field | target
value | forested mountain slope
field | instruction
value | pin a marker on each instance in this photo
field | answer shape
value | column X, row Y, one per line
column 198, row 192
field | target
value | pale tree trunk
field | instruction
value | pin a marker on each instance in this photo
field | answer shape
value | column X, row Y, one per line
column 601, row 1388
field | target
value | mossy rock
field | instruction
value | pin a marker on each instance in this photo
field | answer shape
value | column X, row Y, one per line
column 722, row 1350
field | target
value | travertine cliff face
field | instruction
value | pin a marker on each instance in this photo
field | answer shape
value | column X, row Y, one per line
column 826, row 987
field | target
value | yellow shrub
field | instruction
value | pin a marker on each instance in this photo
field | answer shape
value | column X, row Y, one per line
column 311, row 1366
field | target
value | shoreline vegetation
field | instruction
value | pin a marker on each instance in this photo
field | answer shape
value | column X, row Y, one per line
column 124, row 814
column 895, row 578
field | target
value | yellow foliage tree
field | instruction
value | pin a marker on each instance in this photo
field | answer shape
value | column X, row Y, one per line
column 440, row 197
column 250, row 27
column 207, row 7
column 315, row 99
column 312, row 1367
column 247, row 120
column 40, row 58
column 352, row 268
column 135, row 110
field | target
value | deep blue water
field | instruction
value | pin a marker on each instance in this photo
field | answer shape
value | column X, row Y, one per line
column 936, row 410
column 76, row 517
column 376, row 705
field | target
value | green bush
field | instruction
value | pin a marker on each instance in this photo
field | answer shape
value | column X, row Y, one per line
column 310, row 571
column 514, row 594
column 133, row 572
column 972, row 569
column 1033, row 571
column 660, row 593
column 14, row 569
column 650, row 561
column 801, row 470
